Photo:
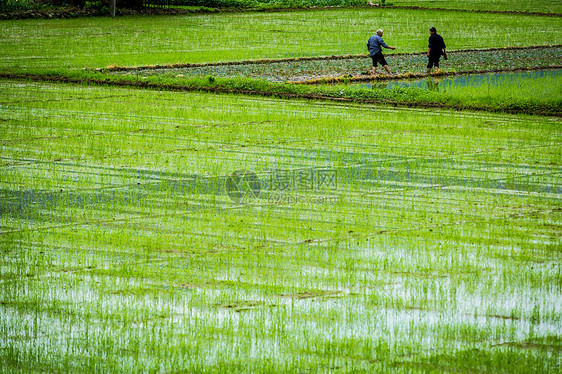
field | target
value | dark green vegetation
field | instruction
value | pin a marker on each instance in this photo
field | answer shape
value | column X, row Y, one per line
column 15, row 5
column 275, row 3
column 168, row 223
column 537, row 6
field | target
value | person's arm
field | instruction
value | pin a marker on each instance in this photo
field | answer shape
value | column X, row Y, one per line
column 386, row 46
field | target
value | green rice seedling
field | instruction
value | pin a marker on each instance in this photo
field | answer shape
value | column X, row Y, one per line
column 142, row 41
column 535, row 91
column 542, row 6
column 439, row 249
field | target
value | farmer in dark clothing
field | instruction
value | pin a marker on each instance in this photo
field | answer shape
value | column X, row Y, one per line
column 435, row 50
column 375, row 45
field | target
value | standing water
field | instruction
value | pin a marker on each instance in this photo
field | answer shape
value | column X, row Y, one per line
column 442, row 84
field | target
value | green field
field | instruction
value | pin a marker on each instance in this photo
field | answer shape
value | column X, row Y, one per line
column 537, row 6
column 147, row 228
column 135, row 41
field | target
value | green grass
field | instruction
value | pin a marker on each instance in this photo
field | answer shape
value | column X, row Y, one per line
column 541, row 6
column 136, row 41
column 525, row 94
column 531, row 92
column 533, row 88
column 121, row 251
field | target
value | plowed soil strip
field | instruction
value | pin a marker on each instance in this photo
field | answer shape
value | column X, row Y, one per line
column 116, row 68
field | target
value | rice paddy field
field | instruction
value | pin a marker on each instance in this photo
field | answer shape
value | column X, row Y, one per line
column 144, row 229
column 138, row 41
column 542, row 6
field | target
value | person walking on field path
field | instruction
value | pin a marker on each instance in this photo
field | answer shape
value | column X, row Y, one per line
column 375, row 45
column 435, row 50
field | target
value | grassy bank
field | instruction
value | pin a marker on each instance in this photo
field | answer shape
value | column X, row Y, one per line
column 521, row 98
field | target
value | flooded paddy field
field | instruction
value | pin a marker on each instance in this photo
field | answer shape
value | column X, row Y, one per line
column 99, row 42
column 165, row 231
column 534, row 87
column 492, row 80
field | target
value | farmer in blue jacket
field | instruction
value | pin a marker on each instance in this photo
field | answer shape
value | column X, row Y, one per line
column 375, row 45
